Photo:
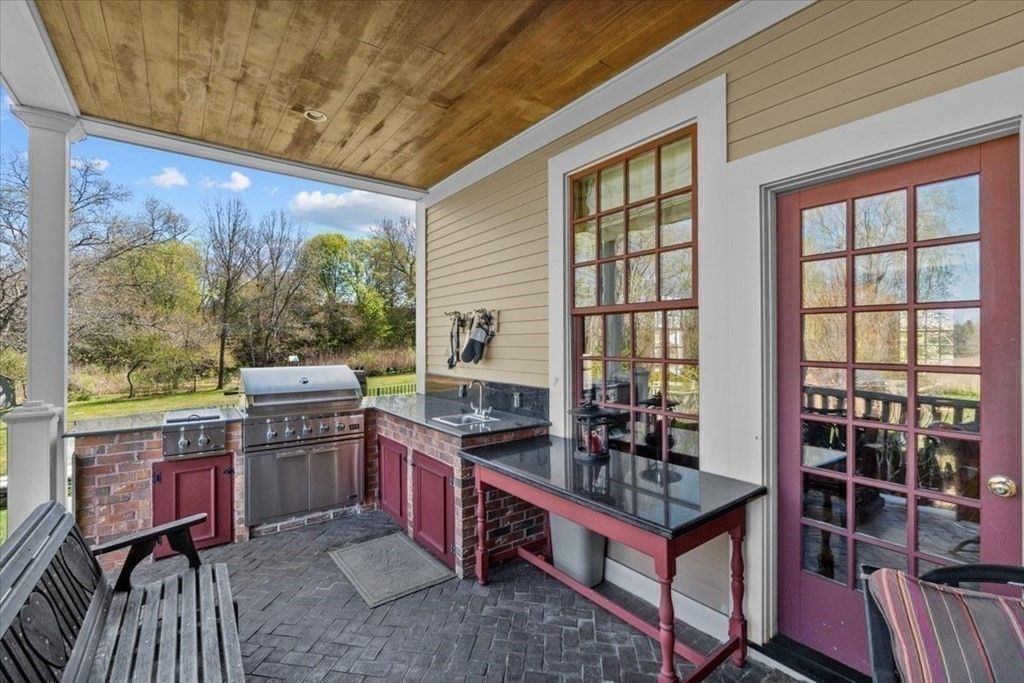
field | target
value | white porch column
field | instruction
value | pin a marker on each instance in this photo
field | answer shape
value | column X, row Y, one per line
column 35, row 449
column 49, row 137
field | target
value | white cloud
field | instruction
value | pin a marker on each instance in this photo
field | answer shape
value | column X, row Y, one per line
column 97, row 163
column 237, row 181
column 352, row 210
column 169, row 176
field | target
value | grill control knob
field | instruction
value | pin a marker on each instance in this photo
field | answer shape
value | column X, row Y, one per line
column 324, row 428
column 203, row 440
column 183, row 443
column 271, row 433
column 288, row 431
column 339, row 426
column 306, row 429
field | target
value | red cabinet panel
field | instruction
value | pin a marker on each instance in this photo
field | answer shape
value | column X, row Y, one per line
column 393, row 487
column 433, row 518
column 188, row 487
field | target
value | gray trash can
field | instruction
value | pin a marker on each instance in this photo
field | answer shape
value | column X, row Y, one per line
column 577, row 551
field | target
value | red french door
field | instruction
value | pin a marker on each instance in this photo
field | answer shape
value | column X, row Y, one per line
column 899, row 382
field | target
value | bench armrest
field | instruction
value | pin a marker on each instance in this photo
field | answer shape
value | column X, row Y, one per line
column 142, row 543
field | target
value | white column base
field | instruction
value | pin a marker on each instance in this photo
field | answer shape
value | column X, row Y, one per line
column 36, row 471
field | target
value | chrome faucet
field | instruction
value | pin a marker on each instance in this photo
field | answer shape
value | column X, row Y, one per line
column 479, row 409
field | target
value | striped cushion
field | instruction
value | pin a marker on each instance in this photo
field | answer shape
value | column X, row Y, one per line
column 940, row 633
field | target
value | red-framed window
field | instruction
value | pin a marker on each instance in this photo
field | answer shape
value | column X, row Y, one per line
column 633, row 294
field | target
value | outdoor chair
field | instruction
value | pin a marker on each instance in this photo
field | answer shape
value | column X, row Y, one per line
column 934, row 648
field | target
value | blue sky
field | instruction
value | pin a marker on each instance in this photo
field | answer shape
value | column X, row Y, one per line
column 186, row 182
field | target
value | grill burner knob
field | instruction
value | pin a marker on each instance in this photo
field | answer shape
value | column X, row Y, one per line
column 203, row 440
column 324, row 428
column 306, row 429
column 288, row 431
column 184, row 443
column 339, row 426
column 271, row 433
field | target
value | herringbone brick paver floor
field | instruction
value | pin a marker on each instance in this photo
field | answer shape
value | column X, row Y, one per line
column 300, row 620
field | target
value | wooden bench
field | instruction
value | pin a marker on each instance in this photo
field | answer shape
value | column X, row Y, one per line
column 61, row 619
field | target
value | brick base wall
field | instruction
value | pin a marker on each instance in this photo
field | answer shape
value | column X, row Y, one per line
column 510, row 521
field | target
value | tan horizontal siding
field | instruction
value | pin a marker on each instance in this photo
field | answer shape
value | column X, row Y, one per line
column 834, row 62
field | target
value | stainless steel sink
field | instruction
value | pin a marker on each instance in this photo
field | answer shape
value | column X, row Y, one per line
column 464, row 419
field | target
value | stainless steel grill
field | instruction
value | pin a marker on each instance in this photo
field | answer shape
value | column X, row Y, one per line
column 192, row 433
column 303, row 440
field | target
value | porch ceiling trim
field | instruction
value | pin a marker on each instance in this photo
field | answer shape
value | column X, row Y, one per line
column 29, row 67
column 731, row 26
column 167, row 142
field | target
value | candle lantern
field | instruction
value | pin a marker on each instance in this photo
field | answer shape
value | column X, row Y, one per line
column 592, row 423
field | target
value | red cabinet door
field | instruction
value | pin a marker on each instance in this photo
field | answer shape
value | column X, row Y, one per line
column 393, row 488
column 433, row 518
column 188, row 487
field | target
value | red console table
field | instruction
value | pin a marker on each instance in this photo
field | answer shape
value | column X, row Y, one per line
column 660, row 509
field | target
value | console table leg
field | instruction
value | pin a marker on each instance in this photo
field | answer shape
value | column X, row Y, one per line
column 481, row 529
column 737, row 622
column 667, row 621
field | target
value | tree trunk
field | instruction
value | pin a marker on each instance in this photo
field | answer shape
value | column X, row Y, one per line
column 220, row 362
column 131, row 386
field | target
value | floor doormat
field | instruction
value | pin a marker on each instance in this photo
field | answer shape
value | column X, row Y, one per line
column 389, row 567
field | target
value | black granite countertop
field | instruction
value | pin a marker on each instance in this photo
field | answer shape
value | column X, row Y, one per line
column 660, row 497
column 421, row 409
column 142, row 422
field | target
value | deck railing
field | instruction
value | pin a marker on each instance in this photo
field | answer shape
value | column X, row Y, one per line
column 392, row 390
column 958, row 413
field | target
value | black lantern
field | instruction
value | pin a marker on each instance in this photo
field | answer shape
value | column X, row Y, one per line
column 592, row 423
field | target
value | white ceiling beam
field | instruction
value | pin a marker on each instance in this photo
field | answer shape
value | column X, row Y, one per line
column 168, row 142
column 29, row 67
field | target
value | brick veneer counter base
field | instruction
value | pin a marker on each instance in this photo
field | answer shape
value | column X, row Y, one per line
column 113, row 487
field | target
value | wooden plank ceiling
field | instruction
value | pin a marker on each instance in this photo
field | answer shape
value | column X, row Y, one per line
column 413, row 89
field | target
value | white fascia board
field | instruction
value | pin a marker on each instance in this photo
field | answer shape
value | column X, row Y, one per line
column 30, row 70
column 732, row 26
column 167, row 142
column 421, row 296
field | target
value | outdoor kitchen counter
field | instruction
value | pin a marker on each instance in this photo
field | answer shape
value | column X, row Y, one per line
column 132, row 423
column 421, row 409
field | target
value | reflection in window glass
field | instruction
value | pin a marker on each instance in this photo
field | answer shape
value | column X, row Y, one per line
column 613, row 235
column 824, row 229
column 824, row 445
column 948, row 208
column 682, row 334
column 824, row 554
column 881, row 219
column 675, row 165
column 949, row 530
column 880, row 395
column 616, row 382
column 949, row 401
column 676, row 274
column 881, row 514
column 611, row 187
column 824, row 391
column 642, row 278
column 824, row 283
column 649, row 381
column 585, row 196
column 617, row 335
column 824, row 337
column 881, row 454
column 641, row 177
column 924, row 566
column 641, row 228
column 876, row 556
column 683, row 435
column 585, row 286
column 949, row 336
column 951, row 272
column 613, row 282
column 586, row 241
column 683, row 389
column 646, row 430
column 949, row 466
column 824, row 499
column 592, row 328
column 648, row 334
column 880, row 278
column 880, row 337
column 593, row 376
column 676, row 220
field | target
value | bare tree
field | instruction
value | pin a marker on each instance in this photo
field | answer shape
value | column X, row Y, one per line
column 278, row 275
column 231, row 250
column 397, row 256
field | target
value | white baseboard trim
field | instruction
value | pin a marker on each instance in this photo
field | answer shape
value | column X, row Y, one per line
column 696, row 614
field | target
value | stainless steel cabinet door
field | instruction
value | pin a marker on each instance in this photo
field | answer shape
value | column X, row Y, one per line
column 293, row 480
column 334, row 474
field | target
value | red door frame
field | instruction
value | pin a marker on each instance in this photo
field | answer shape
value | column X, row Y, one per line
column 172, row 500
column 433, row 528
column 815, row 611
column 392, row 486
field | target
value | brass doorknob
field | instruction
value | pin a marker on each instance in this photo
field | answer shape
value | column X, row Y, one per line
column 1002, row 486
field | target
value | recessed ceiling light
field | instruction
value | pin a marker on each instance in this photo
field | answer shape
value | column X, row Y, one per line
column 315, row 115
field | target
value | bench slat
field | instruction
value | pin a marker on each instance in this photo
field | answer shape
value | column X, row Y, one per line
column 189, row 652
column 148, row 620
column 233, row 670
column 108, row 637
column 121, row 669
column 167, row 671
column 208, row 625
